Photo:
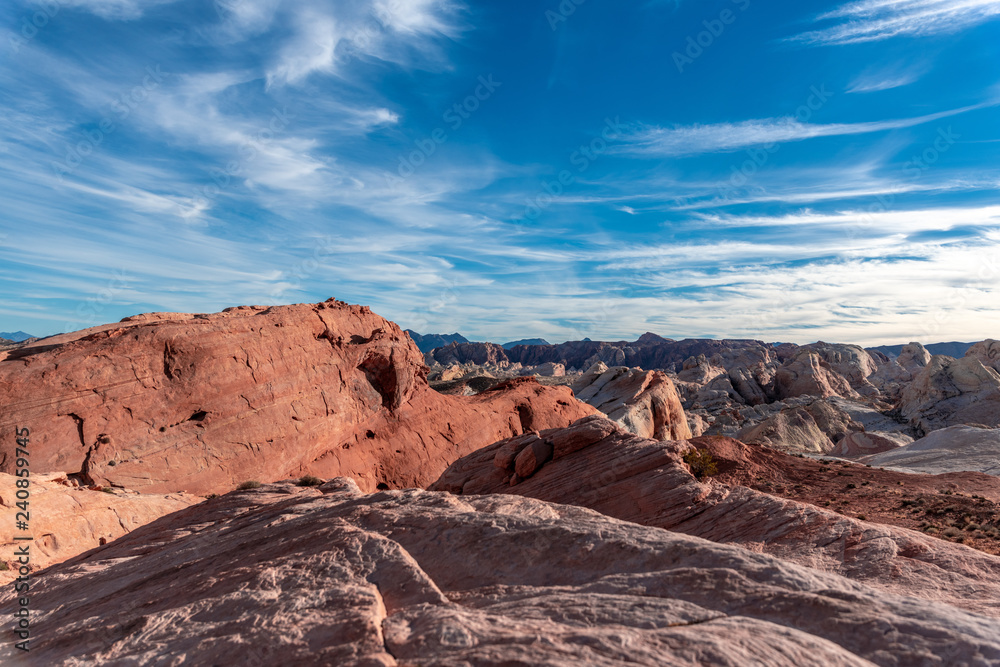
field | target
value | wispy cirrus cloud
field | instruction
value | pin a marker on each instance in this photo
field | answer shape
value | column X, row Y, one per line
column 887, row 78
column 873, row 20
column 686, row 140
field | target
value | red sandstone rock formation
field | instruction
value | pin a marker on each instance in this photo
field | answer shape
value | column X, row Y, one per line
column 167, row 402
column 328, row 576
column 595, row 464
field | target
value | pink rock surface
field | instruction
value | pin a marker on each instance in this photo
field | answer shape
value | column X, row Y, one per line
column 291, row 576
column 202, row 403
column 65, row 520
column 647, row 482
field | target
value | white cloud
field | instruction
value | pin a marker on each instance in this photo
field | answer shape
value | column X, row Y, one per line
column 689, row 140
column 872, row 20
column 115, row 10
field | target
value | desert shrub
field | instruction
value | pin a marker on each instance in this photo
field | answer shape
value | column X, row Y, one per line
column 107, row 489
column 951, row 532
column 211, row 495
column 972, row 526
column 701, row 463
column 930, row 530
column 852, row 486
column 862, row 517
column 3, row 566
column 309, row 480
column 246, row 486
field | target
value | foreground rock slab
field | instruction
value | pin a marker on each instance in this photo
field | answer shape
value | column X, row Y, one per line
column 648, row 482
column 330, row 576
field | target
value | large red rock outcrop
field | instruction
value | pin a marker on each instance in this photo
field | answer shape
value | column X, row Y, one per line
column 168, row 402
column 293, row 576
column 595, row 464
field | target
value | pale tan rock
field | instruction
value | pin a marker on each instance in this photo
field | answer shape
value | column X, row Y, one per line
column 644, row 402
column 794, row 430
column 952, row 449
column 913, row 357
column 66, row 520
column 808, row 374
column 290, row 576
column 949, row 392
column 987, row 352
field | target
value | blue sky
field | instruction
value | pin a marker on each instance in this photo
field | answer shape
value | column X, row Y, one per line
column 789, row 171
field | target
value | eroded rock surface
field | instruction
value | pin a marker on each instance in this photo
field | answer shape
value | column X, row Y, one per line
column 66, row 520
column 644, row 402
column 648, row 482
column 331, row 576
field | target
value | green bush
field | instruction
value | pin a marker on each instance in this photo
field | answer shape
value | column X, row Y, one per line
column 701, row 463
column 309, row 480
column 246, row 486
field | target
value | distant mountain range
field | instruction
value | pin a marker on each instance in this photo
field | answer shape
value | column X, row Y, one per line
column 526, row 341
column 16, row 336
column 953, row 349
column 427, row 342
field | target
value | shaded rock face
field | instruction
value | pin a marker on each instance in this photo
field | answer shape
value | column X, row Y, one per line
column 862, row 444
column 334, row 577
column 949, row 392
column 913, row 357
column 67, row 520
column 809, row 374
column 167, row 402
column 952, row 449
column 648, row 482
column 794, row 429
column 644, row 402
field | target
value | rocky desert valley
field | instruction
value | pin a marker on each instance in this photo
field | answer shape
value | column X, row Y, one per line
column 301, row 485
column 499, row 333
